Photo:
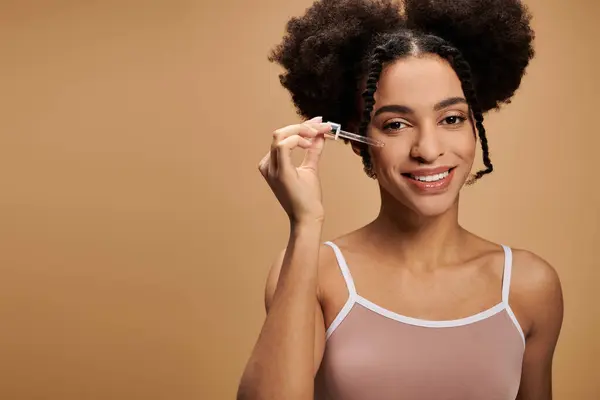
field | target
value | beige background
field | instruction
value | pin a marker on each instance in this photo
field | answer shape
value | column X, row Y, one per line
column 136, row 232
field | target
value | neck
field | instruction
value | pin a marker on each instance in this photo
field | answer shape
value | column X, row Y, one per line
column 422, row 242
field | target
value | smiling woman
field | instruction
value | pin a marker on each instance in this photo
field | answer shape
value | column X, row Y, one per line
column 420, row 112
column 412, row 305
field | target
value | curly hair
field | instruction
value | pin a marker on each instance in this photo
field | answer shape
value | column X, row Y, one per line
column 337, row 45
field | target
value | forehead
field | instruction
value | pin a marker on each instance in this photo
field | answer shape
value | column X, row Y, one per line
column 417, row 81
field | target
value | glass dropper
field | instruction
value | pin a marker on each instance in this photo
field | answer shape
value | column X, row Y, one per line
column 337, row 132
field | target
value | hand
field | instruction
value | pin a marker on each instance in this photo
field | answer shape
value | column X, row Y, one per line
column 298, row 189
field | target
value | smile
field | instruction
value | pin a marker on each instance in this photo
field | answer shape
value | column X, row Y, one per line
column 431, row 178
column 432, row 181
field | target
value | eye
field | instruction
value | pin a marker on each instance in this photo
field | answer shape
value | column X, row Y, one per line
column 394, row 126
column 454, row 120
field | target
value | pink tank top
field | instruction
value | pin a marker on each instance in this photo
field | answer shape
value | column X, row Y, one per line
column 374, row 353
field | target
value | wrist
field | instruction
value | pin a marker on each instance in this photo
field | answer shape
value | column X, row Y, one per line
column 306, row 223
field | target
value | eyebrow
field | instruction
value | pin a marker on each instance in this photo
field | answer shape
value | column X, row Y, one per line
column 400, row 109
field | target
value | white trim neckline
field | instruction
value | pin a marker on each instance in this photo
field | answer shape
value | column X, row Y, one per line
column 448, row 323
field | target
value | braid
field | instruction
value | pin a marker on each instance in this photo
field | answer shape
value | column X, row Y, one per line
column 380, row 56
column 329, row 52
column 394, row 48
column 463, row 70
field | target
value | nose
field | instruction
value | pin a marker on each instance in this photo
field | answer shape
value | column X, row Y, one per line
column 426, row 147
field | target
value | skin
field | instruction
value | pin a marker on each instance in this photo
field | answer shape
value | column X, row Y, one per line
column 415, row 246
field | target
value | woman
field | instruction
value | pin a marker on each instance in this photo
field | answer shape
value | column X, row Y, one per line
column 412, row 305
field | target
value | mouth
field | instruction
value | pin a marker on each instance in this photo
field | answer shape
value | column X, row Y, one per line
column 431, row 181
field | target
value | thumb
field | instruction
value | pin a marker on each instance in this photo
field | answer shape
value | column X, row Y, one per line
column 313, row 153
column 315, row 120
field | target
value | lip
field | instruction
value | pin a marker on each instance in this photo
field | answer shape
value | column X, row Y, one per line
column 430, row 187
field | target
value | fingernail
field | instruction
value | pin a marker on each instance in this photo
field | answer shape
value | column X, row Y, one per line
column 317, row 119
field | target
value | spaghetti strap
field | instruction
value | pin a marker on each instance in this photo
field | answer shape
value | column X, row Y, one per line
column 506, row 274
column 344, row 268
column 508, row 262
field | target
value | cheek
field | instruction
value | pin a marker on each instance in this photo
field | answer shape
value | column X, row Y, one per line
column 397, row 152
column 394, row 152
column 463, row 145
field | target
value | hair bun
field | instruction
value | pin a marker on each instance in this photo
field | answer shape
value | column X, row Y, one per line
column 322, row 51
column 494, row 36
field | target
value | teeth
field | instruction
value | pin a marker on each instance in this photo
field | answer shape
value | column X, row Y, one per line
column 431, row 178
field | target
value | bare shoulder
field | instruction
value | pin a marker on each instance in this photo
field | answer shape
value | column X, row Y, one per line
column 533, row 276
column 327, row 261
column 536, row 290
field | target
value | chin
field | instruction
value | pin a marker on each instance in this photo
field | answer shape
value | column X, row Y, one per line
column 429, row 199
column 432, row 206
column 427, row 206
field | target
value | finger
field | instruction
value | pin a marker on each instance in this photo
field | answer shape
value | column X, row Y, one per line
column 304, row 130
column 311, row 159
column 286, row 132
column 321, row 128
column 284, row 150
column 313, row 154
column 263, row 165
column 316, row 120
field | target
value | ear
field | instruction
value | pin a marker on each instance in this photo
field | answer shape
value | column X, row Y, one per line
column 356, row 148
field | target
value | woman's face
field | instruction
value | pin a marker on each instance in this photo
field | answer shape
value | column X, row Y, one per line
column 421, row 115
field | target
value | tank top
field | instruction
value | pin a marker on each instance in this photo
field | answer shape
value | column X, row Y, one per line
column 372, row 353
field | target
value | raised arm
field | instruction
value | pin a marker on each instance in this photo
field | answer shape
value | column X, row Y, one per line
column 290, row 345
